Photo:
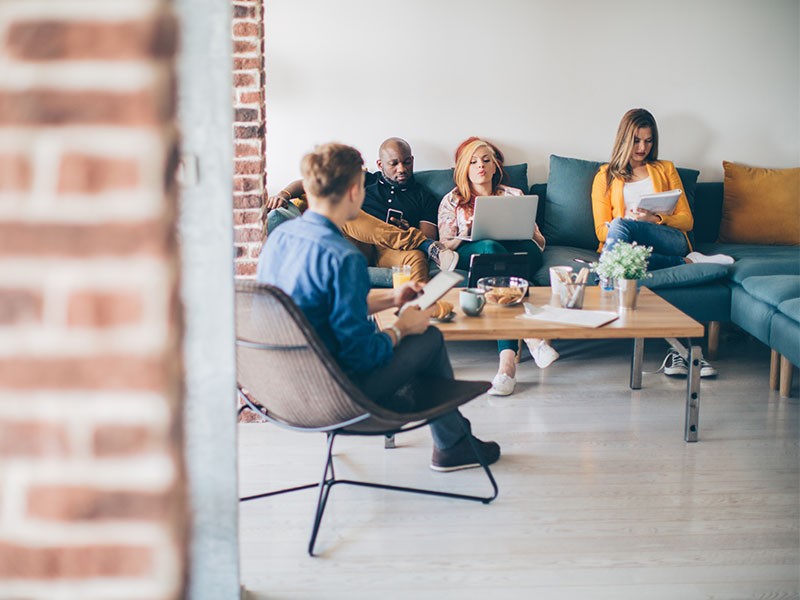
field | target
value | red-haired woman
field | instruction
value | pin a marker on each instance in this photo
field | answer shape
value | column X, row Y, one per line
column 479, row 172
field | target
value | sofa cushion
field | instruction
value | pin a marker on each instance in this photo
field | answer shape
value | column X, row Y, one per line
column 555, row 256
column 773, row 289
column 440, row 181
column 567, row 219
column 752, row 259
column 707, row 211
column 791, row 308
column 760, row 205
column 685, row 275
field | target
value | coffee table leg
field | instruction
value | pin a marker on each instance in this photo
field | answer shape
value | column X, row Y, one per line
column 693, row 394
column 636, row 363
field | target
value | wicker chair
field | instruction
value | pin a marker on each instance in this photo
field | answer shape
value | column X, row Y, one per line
column 286, row 375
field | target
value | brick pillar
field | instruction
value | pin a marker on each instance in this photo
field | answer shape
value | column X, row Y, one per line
column 249, row 138
column 92, row 500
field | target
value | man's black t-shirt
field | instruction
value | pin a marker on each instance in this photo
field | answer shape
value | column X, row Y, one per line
column 417, row 203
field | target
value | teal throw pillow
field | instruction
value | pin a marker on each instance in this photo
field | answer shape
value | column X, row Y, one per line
column 568, row 217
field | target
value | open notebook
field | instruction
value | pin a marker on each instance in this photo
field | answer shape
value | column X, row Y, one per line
column 568, row 316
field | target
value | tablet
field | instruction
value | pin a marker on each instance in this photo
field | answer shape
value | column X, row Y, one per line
column 434, row 289
column 662, row 202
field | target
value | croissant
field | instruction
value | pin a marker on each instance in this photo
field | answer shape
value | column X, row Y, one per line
column 442, row 309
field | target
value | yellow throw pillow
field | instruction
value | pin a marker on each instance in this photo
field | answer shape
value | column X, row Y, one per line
column 760, row 206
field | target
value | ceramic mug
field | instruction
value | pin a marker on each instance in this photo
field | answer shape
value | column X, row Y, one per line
column 472, row 301
column 555, row 282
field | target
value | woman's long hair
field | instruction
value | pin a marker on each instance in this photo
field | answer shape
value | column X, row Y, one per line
column 465, row 195
column 620, row 163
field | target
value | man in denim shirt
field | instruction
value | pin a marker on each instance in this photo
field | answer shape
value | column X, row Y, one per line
column 327, row 279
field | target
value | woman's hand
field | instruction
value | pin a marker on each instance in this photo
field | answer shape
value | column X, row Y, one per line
column 407, row 292
column 642, row 214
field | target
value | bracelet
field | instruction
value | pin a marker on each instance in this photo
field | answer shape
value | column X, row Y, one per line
column 398, row 336
column 660, row 220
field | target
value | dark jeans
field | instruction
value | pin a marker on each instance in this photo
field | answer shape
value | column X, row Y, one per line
column 669, row 244
column 467, row 249
column 423, row 354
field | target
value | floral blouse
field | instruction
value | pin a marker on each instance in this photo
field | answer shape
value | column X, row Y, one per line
column 456, row 222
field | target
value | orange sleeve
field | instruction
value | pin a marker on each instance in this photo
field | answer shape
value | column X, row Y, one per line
column 601, row 204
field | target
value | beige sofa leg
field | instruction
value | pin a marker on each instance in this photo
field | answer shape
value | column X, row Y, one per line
column 786, row 377
column 774, row 369
column 713, row 339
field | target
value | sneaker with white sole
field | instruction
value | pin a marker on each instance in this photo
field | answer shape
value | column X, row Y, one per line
column 444, row 258
column 675, row 365
column 462, row 456
column 543, row 353
column 502, row 385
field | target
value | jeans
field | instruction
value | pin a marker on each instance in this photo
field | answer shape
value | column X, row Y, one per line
column 423, row 354
column 467, row 249
column 669, row 244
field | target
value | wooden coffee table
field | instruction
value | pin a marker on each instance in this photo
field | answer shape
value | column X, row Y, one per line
column 654, row 317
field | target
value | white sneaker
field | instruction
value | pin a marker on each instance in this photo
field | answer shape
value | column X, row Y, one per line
column 444, row 258
column 543, row 353
column 502, row 385
column 719, row 259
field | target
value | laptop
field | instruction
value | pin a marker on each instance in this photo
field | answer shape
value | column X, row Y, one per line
column 498, row 265
column 503, row 218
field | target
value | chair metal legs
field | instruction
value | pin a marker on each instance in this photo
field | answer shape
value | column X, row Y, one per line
column 329, row 479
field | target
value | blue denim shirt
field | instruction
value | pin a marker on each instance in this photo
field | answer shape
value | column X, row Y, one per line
column 326, row 276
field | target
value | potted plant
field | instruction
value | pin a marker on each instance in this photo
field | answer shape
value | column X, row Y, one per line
column 625, row 264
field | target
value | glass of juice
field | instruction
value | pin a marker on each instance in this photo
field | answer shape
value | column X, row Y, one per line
column 400, row 274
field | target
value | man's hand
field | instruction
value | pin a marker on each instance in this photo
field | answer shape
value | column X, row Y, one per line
column 277, row 201
column 414, row 321
column 401, row 223
column 407, row 292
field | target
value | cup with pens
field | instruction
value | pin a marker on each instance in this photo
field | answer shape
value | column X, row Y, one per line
column 572, row 288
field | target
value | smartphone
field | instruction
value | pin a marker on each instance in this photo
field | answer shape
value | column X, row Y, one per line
column 393, row 214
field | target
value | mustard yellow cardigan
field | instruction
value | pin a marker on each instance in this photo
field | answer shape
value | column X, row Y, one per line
column 608, row 202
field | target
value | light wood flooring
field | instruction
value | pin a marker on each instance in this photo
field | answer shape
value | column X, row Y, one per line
column 600, row 497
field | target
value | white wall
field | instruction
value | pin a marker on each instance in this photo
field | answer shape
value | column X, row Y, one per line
column 722, row 78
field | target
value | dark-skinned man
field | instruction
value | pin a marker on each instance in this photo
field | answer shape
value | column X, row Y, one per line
column 398, row 221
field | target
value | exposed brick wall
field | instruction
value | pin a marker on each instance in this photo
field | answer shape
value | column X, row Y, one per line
column 249, row 132
column 92, row 483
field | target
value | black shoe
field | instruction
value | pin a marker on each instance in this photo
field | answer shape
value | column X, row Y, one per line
column 675, row 365
column 462, row 456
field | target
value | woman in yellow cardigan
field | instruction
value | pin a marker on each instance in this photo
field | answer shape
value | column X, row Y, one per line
column 634, row 170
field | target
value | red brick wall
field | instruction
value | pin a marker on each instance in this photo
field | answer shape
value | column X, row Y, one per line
column 249, row 130
column 92, row 483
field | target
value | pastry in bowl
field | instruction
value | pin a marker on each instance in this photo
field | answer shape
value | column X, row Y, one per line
column 504, row 291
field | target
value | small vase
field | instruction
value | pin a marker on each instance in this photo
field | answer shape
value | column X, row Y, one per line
column 628, row 290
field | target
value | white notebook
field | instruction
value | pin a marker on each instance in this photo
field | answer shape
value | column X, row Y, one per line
column 662, row 203
column 568, row 316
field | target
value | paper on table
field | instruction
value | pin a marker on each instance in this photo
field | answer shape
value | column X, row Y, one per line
column 567, row 316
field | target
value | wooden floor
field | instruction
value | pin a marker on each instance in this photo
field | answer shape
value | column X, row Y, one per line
column 600, row 497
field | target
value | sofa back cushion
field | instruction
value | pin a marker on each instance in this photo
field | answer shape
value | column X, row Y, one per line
column 567, row 218
column 440, row 181
column 760, row 206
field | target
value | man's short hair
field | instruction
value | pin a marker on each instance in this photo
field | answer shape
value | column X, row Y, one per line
column 330, row 170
